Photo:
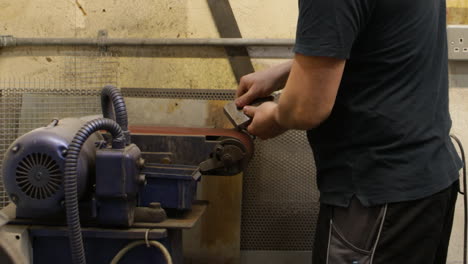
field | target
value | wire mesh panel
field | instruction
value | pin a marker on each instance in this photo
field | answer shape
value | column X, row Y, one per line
column 88, row 71
column 280, row 199
column 26, row 104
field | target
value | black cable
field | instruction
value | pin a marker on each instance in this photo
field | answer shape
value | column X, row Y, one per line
column 465, row 198
column 70, row 179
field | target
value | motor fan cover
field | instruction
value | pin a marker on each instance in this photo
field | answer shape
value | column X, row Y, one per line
column 33, row 167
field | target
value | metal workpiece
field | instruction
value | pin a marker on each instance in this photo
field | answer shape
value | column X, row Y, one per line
column 11, row 41
column 236, row 115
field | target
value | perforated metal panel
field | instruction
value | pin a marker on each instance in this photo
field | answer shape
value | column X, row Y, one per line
column 180, row 93
column 280, row 198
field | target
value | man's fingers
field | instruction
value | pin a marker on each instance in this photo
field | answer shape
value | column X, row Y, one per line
column 246, row 98
column 251, row 130
column 243, row 87
column 250, row 110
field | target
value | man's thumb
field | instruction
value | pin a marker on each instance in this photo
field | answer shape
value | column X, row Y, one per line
column 250, row 110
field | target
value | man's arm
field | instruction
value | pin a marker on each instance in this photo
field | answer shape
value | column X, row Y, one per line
column 262, row 83
column 307, row 99
column 310, row 92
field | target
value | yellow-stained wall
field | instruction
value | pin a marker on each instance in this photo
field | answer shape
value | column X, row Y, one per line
column 182, row 19
column 457, row 11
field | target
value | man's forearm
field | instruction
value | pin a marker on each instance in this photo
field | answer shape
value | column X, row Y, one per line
column 310, row 92
column 282, row 70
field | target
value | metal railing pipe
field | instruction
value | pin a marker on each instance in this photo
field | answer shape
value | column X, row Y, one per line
column 11, row 41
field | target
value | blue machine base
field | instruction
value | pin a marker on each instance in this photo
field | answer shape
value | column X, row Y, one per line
column 49, row 248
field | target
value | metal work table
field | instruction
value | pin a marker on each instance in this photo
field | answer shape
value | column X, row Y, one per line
column 47, row 240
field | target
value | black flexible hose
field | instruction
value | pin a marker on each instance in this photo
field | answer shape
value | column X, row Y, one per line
column 70, row 179
column 113, row 107
column 465, row 198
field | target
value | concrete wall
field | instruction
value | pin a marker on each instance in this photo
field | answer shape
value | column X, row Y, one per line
column 178, row 19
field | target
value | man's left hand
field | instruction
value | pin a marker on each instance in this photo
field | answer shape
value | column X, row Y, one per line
column 264, row 124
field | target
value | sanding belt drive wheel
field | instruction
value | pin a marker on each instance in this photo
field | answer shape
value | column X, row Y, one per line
column 229, row 157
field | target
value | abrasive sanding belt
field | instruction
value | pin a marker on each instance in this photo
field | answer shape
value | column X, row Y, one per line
column 245, row 139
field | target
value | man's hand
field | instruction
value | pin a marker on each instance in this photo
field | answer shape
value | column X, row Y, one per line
column 306, row 101
column 264, row 124
column 262, row 83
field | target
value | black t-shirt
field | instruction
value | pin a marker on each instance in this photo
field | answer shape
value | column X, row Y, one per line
column 387, row 138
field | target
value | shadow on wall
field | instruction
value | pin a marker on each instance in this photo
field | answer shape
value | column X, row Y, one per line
column 458, row 74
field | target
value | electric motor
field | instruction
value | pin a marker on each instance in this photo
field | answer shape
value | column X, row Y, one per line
column 33, row 167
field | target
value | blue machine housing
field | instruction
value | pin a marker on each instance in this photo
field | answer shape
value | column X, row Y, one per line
column 174, row 186
column 117, row 184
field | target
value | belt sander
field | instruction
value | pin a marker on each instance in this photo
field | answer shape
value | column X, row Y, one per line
column 83, row 189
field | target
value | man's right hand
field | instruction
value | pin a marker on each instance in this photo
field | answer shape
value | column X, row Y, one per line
column 261, row 84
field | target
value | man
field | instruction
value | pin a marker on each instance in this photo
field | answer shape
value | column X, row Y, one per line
column 369, row 83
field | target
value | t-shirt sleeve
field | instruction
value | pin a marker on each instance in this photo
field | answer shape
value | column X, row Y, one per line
column 330, row 27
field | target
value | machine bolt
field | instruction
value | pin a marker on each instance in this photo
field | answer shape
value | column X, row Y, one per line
column 142, row 179
column 38, row 176
column 64, row 152
column 155, row 205
column 140, row 163
column 227, row 158
column 218, row 151
column 15, row 148
column 14, row 198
